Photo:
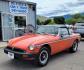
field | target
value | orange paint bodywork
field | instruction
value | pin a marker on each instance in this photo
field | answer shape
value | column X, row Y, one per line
column 55, row 42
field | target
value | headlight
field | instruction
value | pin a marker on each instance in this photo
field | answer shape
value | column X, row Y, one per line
column 31, row 47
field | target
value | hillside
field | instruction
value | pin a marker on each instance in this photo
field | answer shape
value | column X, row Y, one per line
column 41, row 18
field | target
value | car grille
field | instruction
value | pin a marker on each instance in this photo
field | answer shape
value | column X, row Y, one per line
column 15, row 49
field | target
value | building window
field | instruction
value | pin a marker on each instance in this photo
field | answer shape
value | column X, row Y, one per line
column 20, row 21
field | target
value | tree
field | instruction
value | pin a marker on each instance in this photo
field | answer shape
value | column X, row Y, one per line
column 48, row 21
column 38, row 22
column 76, row 16
column 59, row 20
column 71, row 21
column 80, row 20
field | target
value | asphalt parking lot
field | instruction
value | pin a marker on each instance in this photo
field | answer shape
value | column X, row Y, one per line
column 61, row 61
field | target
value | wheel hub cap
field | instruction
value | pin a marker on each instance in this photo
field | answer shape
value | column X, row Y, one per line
column 43, row 57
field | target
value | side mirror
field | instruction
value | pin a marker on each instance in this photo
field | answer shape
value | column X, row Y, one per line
column 61, row 35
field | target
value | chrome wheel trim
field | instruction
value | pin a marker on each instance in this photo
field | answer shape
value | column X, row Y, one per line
column 75, row 46
column 43, row 58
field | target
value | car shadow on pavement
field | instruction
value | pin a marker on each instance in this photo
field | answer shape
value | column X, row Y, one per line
column 20, row 65
column 30, row 65
column 61, row 56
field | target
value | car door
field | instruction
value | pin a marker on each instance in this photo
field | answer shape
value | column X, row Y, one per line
column 72, row 38
column 65, row 39
column 63, row 42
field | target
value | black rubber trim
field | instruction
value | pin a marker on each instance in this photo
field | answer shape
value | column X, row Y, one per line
column 19, row 54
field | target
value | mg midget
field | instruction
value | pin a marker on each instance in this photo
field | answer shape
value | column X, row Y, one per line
column 46, row 41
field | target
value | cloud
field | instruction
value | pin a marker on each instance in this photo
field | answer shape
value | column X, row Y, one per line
column 51, row 8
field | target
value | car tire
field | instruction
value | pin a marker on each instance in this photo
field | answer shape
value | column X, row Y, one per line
column 43, row 57
column 74, row 47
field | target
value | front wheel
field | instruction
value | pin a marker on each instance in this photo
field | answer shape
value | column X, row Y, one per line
column 74, row 47
column 43, row 56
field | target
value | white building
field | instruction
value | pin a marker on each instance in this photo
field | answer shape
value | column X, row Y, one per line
column 14, row 16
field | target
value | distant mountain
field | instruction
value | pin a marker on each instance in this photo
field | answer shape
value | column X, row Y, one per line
column 67, row 16
column 41, row 18
column 70, row 16
column 82, row 14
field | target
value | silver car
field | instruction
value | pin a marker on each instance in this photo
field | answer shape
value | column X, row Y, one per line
column 79, row 28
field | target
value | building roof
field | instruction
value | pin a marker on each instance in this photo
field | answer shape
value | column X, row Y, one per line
column 22, row 1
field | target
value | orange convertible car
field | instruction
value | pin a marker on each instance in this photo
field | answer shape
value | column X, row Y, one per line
column 48, row 40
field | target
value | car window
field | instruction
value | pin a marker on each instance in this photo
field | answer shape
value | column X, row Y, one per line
column 64, row 31
column 70, row 31
column 56, row 30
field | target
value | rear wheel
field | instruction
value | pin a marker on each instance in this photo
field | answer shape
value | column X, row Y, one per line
column 43, row 56
column 74, row 47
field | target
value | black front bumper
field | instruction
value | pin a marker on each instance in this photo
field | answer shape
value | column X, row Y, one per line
column 20, row 55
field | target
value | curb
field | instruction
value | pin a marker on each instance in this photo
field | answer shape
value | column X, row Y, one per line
column 2, row 46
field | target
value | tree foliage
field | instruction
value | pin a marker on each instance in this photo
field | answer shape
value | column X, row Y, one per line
column 71, row 21
column 38, row 22
column 75, row 18
column 47, row 21
column 59, row 20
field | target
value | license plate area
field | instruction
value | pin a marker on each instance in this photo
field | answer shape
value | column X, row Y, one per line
column 11, row 55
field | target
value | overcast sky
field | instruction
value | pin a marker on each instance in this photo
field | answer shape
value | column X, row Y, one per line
column 51, row 8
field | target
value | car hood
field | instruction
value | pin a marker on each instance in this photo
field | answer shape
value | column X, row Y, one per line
column 31, row 39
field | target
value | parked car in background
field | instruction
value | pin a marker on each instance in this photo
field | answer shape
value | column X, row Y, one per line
column 48, row 40
column 79, row 28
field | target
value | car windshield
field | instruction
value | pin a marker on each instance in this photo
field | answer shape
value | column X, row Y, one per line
column 47, row 30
